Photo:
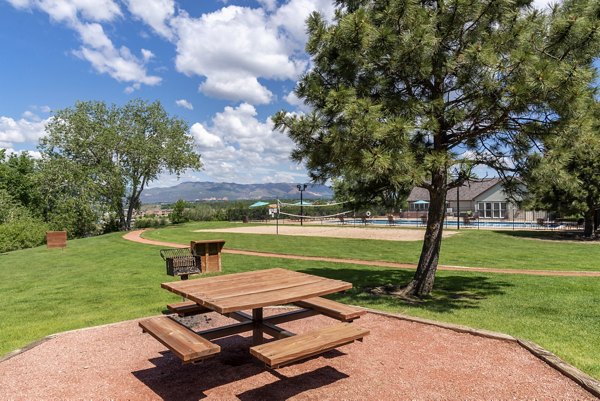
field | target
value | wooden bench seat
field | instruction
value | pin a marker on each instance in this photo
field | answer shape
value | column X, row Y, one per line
column 183, row 342
column 187, row 308
column 336, row 310
column 287, row 350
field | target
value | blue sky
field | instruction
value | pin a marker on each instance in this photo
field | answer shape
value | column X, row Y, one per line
column 223, row 66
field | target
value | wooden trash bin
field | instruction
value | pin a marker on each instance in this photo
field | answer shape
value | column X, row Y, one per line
column 56, row 239
column 210, row 254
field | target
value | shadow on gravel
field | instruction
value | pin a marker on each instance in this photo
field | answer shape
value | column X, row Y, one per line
column 451, row 292
column 171, row 380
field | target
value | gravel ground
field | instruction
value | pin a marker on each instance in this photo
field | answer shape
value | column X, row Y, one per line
column 399, row 360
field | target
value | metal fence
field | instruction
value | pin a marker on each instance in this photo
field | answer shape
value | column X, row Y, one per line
column 514, row 219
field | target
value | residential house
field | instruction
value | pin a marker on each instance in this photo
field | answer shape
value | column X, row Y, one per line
column 482, row 198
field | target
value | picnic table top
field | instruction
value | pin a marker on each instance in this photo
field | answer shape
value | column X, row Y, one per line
column 255, row 289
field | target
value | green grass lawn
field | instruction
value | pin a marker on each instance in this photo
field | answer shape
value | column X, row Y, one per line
column 477, row 248
column 106, row 279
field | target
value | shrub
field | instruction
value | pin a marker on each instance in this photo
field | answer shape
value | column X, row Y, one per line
column 22, row 231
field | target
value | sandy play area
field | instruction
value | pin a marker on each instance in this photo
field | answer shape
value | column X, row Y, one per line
column 309, row 230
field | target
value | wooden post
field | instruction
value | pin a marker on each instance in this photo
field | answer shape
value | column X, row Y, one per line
column 257, row 318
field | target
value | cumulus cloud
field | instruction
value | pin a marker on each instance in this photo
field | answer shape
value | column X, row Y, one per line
column 156, row 14
column 84, row 16
column 238, row 46
column 29, row 128
column 185, row 104
column 119, row 63
column 237, row 146
column 238, row 88
column 71, row 11
column 33, row 153
column 203, row 138
column 292, row 17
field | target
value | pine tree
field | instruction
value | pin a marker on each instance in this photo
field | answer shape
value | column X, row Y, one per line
column 409, row 91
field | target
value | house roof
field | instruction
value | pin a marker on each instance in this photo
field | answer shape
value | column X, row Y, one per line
column 468, row 192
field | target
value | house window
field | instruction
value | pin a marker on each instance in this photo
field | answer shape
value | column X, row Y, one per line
column 420, row 206
column 496, row 210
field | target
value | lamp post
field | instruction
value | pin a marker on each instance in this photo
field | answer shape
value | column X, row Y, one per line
column 301, row 188
column 457, row 208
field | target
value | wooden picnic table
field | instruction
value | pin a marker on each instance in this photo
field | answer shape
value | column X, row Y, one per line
column 231, row 294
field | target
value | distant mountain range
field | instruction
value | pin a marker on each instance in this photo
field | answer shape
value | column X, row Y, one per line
column 207, row 191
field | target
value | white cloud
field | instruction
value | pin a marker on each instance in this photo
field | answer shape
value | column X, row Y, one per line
column 185, row 104
column 238, row 46
column 235, row 88
column 30, row 128
column 120, row 63
column 147, row 54
column 97, row 48
column 132, row 88
column 285, row 176
column 31, row 116
column 269, row 5
column 292, row 17
column 71, row 11
column 93, row 35
column 237, row 146
column 33, row 153
column 203, row 138
column 155, row 13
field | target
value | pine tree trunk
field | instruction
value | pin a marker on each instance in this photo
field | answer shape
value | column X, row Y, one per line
column 422, row 282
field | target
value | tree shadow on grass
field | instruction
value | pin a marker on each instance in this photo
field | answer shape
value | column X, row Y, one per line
column 574, row 235
column 451, row 292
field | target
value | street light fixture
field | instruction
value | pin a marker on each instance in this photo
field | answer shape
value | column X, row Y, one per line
column 301, row 188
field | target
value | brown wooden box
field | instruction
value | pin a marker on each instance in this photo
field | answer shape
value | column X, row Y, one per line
column 56, row 239
column 210, row 254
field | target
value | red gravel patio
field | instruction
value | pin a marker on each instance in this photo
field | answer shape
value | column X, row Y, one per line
column 399, row 360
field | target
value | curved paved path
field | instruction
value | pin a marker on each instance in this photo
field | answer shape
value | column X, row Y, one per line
column 135, row 236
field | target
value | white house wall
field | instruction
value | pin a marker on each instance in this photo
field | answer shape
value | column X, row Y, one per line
column 493, row 194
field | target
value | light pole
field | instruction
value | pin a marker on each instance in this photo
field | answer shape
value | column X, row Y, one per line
column 301, row 188
column 457, row 208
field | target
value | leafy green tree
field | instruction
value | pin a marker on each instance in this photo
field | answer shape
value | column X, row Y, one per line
column 408, row 91
column 178, row 216
column 567, row 177
column 121, row 148
column 17, row 174
column 70, row 197
column 18, row 228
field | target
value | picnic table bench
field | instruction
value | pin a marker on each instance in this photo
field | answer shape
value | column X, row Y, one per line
column 231, row 294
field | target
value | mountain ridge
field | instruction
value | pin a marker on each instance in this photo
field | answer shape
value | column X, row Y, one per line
column 230, row 191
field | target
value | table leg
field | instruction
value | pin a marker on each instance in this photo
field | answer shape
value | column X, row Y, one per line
column 257, row 333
